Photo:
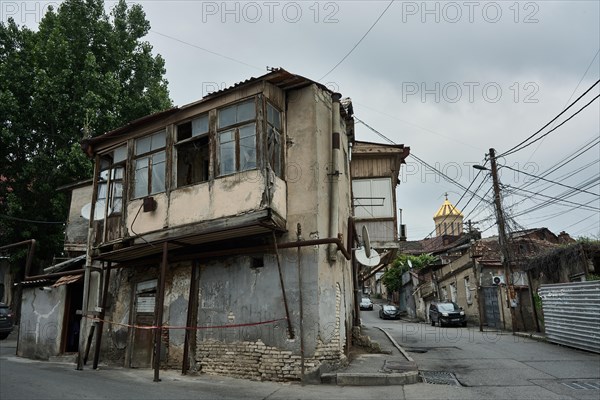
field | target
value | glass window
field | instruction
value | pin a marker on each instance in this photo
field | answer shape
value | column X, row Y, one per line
column 193, row 152
column 110, row 182
column 237, row 113
column 150, row 169
column 274, row 149
column 237, row 146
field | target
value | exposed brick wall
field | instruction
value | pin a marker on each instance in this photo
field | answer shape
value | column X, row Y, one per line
column 256, row 360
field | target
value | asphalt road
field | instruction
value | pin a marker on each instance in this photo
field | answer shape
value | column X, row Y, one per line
column 491, row 364
column 488, row 366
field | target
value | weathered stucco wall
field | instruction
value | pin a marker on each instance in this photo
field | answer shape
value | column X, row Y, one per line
column 40, row 330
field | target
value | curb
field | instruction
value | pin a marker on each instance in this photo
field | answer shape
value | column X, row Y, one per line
column 370, row 379
column 533, row 336
column 375, row 378
column 396, row 345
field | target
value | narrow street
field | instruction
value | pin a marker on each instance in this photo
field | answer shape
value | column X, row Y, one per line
column 465, row 363
column 491, row 364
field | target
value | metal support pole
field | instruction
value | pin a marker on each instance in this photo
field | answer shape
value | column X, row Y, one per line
column 102, row 315
column 502, row 237
column 300, row 301
column 85, row 301
column 192, row 317
column 285, row 303
column 159, row 313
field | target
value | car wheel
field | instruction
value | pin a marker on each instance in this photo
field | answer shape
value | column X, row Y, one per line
column 432, row 322
column 4, row 335
column 464, row 324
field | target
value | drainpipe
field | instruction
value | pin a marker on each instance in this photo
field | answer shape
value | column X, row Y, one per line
column 334, row 175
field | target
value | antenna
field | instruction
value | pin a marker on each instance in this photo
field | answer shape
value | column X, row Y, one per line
column 362, row 258
column 365, row 254
column 86, row 210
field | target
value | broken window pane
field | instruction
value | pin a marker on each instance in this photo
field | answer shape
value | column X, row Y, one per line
column 273, row 116
column 193, row 161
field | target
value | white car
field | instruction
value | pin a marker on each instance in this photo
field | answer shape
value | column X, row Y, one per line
column 366, row 304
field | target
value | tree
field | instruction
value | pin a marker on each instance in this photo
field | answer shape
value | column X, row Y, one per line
column 83, row 73
column 392, row 278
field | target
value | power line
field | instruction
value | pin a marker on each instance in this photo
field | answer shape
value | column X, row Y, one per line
column 553, row 129
column 556, row 199
column 512, row 150
column 206, row 50
column 572, row 94
column 547, row 180
column 357, row 43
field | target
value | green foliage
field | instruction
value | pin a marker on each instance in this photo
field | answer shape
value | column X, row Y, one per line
column 83, row 73
column 593, row 277
column 392, row 278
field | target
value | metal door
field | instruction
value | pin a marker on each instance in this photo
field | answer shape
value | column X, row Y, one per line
column 491, row 306
column 143, row 315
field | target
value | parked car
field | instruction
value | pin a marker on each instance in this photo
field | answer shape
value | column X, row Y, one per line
column 446, row 313
column 7, row 321
column 389, row 312
column 366, row 304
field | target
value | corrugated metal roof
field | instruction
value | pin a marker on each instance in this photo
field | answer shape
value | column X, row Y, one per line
column 279, row 77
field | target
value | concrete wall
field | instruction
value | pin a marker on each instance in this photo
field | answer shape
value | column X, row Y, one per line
column 42, row 315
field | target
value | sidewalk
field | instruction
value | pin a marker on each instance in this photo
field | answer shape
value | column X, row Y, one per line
column 391, row 367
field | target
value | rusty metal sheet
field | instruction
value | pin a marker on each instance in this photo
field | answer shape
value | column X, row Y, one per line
column 65, row 280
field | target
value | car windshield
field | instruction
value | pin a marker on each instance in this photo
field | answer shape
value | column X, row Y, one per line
column 3, row 310
column 448, row 307
column 389, row 308
column 366, row 300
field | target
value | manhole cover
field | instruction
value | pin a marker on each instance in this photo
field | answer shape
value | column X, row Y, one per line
column 582, row 385
column 439, row 378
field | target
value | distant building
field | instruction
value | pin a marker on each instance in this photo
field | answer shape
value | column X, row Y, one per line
column 448, row 220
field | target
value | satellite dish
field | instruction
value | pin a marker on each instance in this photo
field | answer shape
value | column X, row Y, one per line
column 409, row 264
column 98, row 210
column 366, row 241
column 362, row 257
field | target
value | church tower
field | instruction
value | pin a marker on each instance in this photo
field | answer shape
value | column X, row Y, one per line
column 448, row 220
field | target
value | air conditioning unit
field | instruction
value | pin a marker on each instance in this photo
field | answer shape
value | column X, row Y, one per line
column 498, row 279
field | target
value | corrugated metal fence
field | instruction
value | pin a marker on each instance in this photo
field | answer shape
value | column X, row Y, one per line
column 571, row 314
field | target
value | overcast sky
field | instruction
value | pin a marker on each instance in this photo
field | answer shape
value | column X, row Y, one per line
column 448, row 79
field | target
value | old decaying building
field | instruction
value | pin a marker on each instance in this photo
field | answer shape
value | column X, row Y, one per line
column 228, row 223
column 375, row 169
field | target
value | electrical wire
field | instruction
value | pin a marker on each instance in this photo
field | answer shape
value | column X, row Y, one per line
column 572, row 94
column 205, row 50
column 547, row 180
column 357, row 43
column 512, row 149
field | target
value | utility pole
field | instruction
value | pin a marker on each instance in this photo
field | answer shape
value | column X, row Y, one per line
column 510, row 291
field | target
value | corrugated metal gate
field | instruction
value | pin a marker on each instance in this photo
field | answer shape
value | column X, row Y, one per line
column 571, row 314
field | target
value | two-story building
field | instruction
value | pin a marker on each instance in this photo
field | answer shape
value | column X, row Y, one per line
column 219, row 235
